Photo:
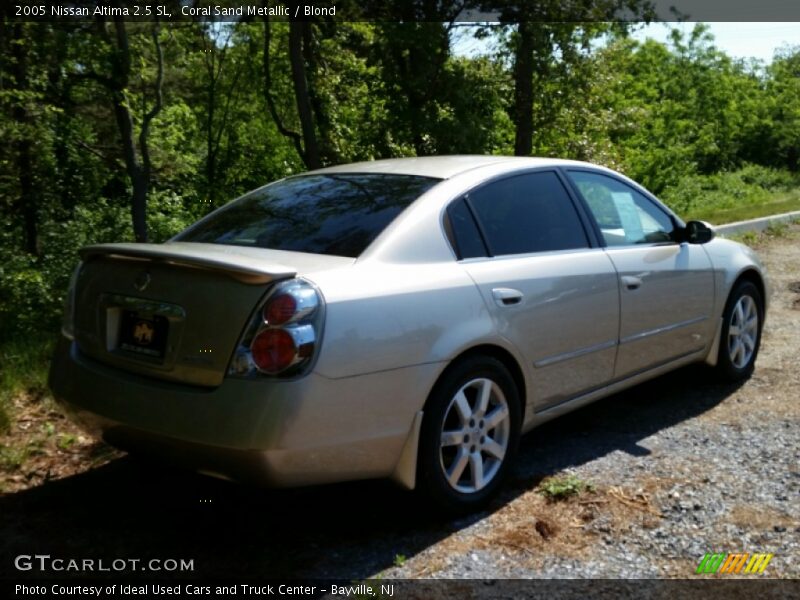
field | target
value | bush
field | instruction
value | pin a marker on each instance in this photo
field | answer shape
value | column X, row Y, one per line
column 752, row 184
column 33, row 289
column 560, row 488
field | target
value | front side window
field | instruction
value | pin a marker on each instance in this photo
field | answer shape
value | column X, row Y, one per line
column 322, row 214
column 527, row 213
column 625, row 216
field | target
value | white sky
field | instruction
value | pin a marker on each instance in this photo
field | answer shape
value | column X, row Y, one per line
column 738, row 40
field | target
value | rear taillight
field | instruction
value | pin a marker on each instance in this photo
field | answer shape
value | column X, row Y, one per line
column 280, row 309
column 284, row 333
column 273, row 350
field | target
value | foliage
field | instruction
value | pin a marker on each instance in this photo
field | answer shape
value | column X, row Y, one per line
column 678, row 111
column 715, row 137
column 696, row 196
column 23, row 368
column 783, row 90
column 562, row 487
column 33, row 289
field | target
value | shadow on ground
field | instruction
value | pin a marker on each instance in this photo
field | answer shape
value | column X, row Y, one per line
column 132, row 509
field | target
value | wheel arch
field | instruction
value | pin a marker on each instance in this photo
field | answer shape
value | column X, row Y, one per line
column 405, row 472
column 503, row 356
column 753, row 276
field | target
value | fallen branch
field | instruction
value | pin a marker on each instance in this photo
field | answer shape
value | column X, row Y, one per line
column 641, row 504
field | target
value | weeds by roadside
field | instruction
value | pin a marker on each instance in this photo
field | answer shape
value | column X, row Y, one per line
column 37, row 442
column 23, row 369
column 562, row 487
column 773, row 231
column 779, row 229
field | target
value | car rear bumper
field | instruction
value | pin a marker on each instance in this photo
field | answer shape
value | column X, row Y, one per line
column 281, row 433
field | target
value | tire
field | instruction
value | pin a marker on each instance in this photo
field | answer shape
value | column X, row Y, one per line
column 742, row 323
column 465, row 447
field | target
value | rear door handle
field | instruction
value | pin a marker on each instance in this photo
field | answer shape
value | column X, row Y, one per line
column 631, row 282
column 507, row 296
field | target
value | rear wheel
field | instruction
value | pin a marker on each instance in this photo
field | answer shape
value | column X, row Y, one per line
column 469, row 434
column 742, row 322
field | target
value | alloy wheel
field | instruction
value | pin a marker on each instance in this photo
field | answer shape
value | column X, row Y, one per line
column 475, row 435
column 743, row 332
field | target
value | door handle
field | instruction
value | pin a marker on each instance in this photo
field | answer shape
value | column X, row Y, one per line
column 507, row 296
column 631, row 282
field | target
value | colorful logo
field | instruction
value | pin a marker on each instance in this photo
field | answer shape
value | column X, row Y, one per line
column 743, row 562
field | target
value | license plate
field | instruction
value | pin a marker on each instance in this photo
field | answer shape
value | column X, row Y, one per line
column 145, row 335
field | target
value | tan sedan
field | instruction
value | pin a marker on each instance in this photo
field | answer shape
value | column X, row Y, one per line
column 405, row 318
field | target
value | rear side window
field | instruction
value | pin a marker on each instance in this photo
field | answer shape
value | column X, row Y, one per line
column 465, row 234
column 321, row 214
column 527, row 213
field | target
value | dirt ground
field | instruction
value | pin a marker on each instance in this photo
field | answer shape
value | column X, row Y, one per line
column 675, row 468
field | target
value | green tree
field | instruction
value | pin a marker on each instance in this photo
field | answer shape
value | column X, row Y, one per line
column 784, row 90
column 547, row 42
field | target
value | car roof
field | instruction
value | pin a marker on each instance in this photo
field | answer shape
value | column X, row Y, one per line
column 444, row 167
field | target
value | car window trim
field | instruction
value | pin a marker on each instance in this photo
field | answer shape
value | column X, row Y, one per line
column 481, row 231
column 676, row 222
column 450, row 231
column 592, row 234
column 531, row 254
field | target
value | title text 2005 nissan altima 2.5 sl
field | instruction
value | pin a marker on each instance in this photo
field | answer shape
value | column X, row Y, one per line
column 404, row 318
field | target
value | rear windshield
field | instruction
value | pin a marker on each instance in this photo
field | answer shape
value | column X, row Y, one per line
column 320, row 214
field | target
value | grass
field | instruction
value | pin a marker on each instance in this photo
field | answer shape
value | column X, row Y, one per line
column 748, row 238
column 777, row 204
column 5, row 419
column 749, row 192
column 23, row 369
column 564, row 486
column 777, row 229
column 66, row 440
column 12, row 458
column 33, row 451
column 755, row 238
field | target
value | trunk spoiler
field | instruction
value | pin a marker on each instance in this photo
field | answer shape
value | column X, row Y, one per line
column 243, row 264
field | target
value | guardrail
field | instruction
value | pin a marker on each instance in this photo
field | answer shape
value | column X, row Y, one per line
column 756, row 224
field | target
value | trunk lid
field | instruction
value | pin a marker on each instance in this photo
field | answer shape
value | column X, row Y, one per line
column 175, row 311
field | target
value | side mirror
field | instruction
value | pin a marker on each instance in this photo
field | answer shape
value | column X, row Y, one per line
column 698, row 232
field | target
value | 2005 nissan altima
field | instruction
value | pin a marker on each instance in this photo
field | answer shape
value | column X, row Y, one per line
column 404, row 318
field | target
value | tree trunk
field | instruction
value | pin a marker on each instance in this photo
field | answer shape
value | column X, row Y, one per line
column 311, row 154
column 28, row 193
column 211, row 151
column 270, row 100
column 134, row 168
column 792, row 158
column 523, row 90
column 138, row 168
column 120, row 74
column 28, row 197
column 318, row 112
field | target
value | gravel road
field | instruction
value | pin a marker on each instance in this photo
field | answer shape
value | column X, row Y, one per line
column 679, row 467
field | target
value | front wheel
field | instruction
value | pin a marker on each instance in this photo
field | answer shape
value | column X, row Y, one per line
column 742, row 322
column 469, row 434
